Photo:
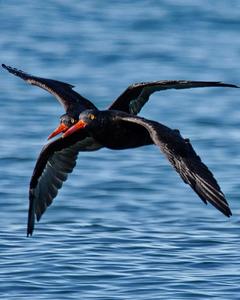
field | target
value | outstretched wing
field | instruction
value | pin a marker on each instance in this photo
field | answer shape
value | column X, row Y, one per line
column 56, row 160
column 72, row 102
column 186, row 162
column 135, row 96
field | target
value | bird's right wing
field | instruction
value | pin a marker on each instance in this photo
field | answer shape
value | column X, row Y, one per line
column 136, row 95
column 56, row 160
column 186, row 162
column 72, row 101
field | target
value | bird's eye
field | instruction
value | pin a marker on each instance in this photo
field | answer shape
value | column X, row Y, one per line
column 91, row 116
column 72, row 121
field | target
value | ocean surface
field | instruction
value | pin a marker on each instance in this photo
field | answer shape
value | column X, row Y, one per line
column 124, row 225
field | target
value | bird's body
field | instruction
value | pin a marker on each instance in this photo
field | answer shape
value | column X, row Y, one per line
column 116, row 128
column 115, row 134
column 107, row 125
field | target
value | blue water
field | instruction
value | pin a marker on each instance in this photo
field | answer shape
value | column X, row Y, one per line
column 124, row 226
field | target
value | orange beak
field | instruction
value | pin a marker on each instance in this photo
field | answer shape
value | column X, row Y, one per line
column 80, row 124
column 59, row 129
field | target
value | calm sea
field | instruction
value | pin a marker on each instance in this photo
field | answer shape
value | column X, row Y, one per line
column 124, row 226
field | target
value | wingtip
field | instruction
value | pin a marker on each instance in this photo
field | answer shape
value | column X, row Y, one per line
column 30, row 228
column 223, row 84
column 29, row 234
column 233, row 85
column 229, row 213
column 31, row 214
column 225, row 210
column 10, row 69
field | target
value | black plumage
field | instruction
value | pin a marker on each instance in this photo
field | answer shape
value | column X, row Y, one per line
column 107, row 126
column 58, row 158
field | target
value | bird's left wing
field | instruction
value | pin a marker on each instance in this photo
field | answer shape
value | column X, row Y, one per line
column 186, row 162
column 136, row 95
column 72, row 102
column 56, row 160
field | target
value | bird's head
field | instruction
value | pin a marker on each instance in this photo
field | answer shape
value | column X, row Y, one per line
column 66, row 121
column 89, row 118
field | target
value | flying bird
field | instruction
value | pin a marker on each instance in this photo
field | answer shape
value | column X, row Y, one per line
column 123, row 130
column 131, row 100
column 114, row 129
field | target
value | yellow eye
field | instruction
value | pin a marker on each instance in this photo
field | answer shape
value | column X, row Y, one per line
column 91, row 116
column 72, row 120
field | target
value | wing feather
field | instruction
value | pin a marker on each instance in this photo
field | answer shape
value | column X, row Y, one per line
column 72, row 102
column 135, row 96
column 55, row 162
column 185, row 161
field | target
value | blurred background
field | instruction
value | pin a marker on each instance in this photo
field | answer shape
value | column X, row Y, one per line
column 124, row 226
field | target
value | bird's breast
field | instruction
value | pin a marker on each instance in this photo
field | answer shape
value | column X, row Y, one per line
column 122, row 135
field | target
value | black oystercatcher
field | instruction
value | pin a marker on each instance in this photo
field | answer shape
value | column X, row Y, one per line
column 116, row 128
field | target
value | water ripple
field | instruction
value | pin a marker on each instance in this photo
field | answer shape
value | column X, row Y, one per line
column 128, row 228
